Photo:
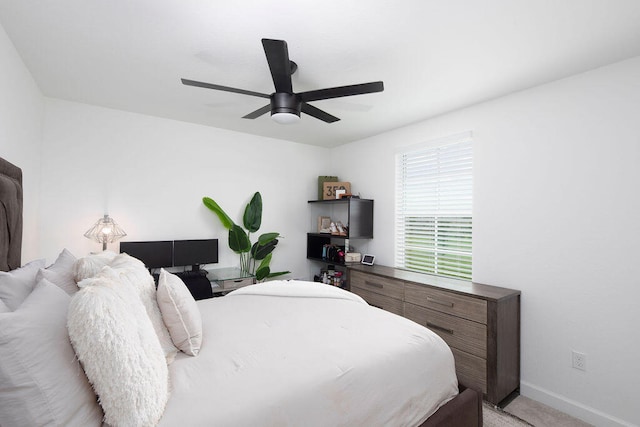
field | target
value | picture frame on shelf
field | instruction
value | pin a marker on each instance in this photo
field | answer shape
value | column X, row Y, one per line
column 324, row 224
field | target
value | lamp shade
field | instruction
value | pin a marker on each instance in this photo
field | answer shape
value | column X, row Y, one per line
column 105, row 231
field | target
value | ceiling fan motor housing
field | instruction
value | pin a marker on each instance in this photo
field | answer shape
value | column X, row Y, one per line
column 288, row 103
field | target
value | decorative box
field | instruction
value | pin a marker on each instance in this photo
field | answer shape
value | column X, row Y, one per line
column 352, row 257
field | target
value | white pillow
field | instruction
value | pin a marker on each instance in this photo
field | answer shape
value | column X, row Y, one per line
column 115, row 341
column 91, row 265
column 132, row 272
column 180, row 313
column 17, row 284
column 61, row 272
column 41, row 381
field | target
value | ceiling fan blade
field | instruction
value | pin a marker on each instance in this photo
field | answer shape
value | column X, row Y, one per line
column 318, row 113
column 279, row 64
column 337, row 92
column 260, row 111
column 224, row 88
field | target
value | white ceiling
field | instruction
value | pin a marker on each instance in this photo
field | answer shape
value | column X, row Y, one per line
column 434, row 56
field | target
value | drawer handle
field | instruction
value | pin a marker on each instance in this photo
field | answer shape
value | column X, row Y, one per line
column 440, row 302
column 238, row 280
column 440, row 328
column 373, row 284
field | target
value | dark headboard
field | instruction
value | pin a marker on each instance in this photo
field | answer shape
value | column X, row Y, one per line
column 10, row 215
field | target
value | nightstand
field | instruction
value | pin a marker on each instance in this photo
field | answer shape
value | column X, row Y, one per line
column 225, row 280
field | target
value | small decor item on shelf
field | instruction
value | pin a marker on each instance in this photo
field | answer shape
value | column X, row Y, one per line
column 330, row 277
column 324, row 224
column 368, row 259
column 337, row 229
column 330, row 188
column 337, row 279
column 352, row 257
column 331, row 270
column 333, row 253
column 342, row 230
column 334, row 229
column 321, row 181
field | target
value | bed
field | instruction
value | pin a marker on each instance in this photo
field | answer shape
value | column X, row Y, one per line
column 282, row 353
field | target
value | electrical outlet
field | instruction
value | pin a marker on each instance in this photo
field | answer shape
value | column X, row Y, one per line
column 579, row 360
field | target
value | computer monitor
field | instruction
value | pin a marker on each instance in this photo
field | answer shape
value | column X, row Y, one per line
column 155, row 254
column 195, row 253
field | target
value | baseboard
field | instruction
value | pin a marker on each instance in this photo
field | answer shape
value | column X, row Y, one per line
column 571, row 407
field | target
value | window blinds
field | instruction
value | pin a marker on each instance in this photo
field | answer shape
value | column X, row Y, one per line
column 433, row 207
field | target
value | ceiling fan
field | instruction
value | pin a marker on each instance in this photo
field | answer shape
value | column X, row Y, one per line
column 285, row 105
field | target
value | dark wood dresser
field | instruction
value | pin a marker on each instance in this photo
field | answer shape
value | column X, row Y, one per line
column 481, row 323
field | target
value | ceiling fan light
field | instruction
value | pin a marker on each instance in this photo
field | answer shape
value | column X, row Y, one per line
column 285, row 118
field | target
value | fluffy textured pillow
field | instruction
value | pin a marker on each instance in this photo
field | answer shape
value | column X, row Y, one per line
column 3, row 307
column 16, row 285
column 41, row 381
column 132, row 272
column 119, row 349
column 180, row 313
column 91, row 265
column 61, row 272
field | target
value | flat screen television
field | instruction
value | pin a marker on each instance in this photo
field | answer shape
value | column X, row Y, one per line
column 155, row 254
column 195, row 253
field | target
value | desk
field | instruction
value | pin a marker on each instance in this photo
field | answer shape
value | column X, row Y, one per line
column 224, row 280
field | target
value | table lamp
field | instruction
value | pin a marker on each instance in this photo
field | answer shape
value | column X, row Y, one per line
column 105, row 231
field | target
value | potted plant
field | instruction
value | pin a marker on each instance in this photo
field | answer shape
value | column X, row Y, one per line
column 240, row 238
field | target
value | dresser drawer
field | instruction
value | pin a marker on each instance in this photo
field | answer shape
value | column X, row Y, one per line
column 381, row 301
column 471, row 370
column 447, row 302
column 459, row 333
column 379, row 285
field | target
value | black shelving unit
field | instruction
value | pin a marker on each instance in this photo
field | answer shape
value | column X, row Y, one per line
column 356, row 214
column 359, row 215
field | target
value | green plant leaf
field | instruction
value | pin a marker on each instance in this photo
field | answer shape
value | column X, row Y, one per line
column 260, row 251
column 253, row 213
column 224, row 218
column 238, row 240
column 267, row 237
column 263, row 269
column 262, row 273
column 265, row 262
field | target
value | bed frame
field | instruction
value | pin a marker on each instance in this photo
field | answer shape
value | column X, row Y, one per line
column 10, row 216
column 465, row 410
column 462, row 411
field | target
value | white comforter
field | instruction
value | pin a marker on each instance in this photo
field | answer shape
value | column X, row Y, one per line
column 306, row 354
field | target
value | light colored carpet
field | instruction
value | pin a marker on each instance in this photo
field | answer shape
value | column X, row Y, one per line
column 539, row 415
column 495, row 417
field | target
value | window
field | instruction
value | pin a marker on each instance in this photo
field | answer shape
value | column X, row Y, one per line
column 433, row 207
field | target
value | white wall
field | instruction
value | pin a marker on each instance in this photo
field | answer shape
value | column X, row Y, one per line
column 556, row 208
column 21, row 115
column 150, row 175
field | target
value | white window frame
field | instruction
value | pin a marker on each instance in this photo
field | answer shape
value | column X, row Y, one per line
column 434, row 215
